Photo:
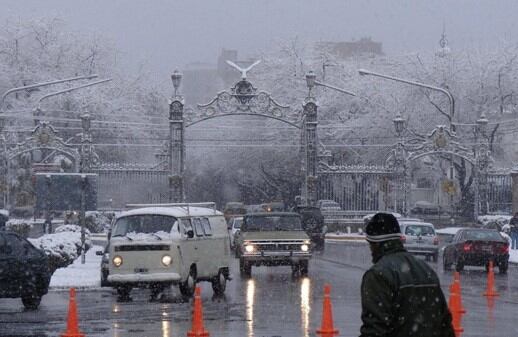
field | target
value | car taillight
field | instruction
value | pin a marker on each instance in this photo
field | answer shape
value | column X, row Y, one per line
column 505, row 249
column 403, row 238
column 467, row 247
column 435, row 240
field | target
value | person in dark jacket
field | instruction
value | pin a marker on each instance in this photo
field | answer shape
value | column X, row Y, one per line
column 401, row 295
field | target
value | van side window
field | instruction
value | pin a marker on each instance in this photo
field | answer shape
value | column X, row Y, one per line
column 207, row 229
column 187, row 226
column 198, row 227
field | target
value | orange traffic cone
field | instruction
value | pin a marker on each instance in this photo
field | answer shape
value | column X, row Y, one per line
column 72, row 325
column 327, row 328
column 455, row 287
column 197, row 329
column 456, row 315
column 490, row 290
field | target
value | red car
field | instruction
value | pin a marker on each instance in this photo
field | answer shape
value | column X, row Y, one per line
column 476, row 247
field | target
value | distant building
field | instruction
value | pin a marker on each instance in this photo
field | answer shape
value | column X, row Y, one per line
column 348, row 49
column 200, row 83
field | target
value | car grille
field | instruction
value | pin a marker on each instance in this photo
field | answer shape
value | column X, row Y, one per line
column 277, row 246
column 138, row 248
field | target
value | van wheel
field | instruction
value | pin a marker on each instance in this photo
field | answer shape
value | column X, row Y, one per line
column 219, row 283
column 187, row 287
column 123, row 293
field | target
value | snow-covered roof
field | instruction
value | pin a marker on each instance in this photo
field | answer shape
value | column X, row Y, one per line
column 176, row 211
column 448, row 230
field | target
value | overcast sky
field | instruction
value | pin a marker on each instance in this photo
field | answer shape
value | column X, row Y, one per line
column 165, row 34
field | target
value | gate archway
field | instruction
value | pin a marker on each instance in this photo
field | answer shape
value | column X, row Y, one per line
column 242, row 99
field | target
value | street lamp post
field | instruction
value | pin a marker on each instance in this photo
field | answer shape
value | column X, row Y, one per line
column 176, row 152
column 450, row 116
column 399, row 126
column 38, row 85
column 480, row 162
column 310, row 139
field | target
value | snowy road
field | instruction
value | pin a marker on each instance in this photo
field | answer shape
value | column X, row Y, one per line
column 271, row 303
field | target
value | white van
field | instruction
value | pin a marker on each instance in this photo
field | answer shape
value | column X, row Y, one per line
column 156, row 246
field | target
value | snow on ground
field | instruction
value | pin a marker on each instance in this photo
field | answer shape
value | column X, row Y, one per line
column 79, row 275
column 485, row 220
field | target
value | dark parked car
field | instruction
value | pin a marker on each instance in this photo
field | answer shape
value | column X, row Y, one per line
column 476, row 247
column 24, row 270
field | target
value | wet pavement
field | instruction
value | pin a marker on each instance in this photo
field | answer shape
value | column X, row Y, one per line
column 271, row 303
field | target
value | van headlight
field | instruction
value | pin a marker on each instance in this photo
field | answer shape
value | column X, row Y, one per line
column 249, row 248
column 167, row 260
column 304, row 247
column 117, row 261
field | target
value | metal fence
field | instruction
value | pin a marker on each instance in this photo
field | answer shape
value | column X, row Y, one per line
column 499, row 193
column 362, row 188
column 119, row 186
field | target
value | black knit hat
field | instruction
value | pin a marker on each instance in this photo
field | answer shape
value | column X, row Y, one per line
column 382, row 227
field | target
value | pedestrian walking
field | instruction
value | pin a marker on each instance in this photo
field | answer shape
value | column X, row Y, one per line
column 514, row 231
column 401, row 295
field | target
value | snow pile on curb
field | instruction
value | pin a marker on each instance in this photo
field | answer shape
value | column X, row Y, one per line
column 79, row 275
column 500, row 220
column 62, row 247
column 513, row 256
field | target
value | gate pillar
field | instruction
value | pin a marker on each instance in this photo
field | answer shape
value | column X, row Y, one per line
column 309, row 158
column 176, row 143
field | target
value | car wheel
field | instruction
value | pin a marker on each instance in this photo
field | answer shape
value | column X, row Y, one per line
column 31, row 301
column 303, row 268
column 459, row 266
column 245, row 268
column 219, row 283
column 188, row 286
column 502, row 267
column 445, row 264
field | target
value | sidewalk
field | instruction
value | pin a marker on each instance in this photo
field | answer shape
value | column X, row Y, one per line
column 79, row 275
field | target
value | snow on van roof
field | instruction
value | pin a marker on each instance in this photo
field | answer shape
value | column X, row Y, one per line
column 176, row 211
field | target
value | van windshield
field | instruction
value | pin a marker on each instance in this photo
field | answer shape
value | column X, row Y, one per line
column 147, row 224
column 271, row 223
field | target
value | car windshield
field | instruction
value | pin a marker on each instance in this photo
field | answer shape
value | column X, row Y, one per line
column 272, row 223
column 419, row 230
column 143, row 224
column 482, row 235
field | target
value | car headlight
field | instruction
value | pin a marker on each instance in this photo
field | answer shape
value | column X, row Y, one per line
column 307, row 242
column 167, row 260
column 117, row 261
column 304, row 247
column 249, row 248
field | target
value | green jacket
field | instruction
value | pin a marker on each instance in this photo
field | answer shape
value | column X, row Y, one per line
column 401, row 297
